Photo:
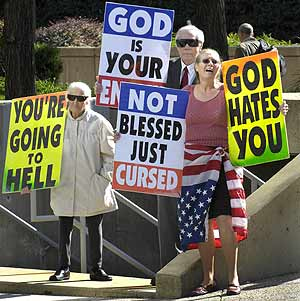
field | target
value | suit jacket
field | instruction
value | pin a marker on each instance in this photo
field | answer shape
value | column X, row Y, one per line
column 174, row 72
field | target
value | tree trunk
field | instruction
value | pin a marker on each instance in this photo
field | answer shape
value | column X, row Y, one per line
column 19, row 35
column 209, row 15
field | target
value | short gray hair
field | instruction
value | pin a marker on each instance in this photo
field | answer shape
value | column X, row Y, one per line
column 246, row 28
column 192, row 28
column 82, row 86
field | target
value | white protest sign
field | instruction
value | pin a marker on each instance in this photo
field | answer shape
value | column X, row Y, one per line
column 136, row 43
column 150, row 153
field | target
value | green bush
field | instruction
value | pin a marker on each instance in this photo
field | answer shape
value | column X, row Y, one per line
column 71, row 32
column 49, row 86
column 48, row 64
column 233, row 40
column 42, row 87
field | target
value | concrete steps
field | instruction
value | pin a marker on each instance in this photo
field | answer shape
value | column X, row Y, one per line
column 31, row 281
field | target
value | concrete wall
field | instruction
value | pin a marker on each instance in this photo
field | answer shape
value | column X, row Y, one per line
column 272, row 247
column 82, row 63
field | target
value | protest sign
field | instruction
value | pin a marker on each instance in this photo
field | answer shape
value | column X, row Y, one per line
column 150, row 153
column 256, row 127
column 135, row 47
column 34, row 143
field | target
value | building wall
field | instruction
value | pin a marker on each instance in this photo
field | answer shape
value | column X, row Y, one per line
column 82, row 63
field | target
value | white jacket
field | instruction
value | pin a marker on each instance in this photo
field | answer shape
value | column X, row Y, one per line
column 88, row 151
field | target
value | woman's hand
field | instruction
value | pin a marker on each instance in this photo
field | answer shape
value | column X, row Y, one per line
column 284, row 108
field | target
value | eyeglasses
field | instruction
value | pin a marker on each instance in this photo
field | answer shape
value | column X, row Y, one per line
column 79, row 98
column 191, row 42
column 207, row 61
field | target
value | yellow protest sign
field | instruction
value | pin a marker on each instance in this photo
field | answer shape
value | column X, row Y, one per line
column 34, row 143
column 253, row 92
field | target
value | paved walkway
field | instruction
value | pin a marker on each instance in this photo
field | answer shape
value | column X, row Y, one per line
column 278, row 288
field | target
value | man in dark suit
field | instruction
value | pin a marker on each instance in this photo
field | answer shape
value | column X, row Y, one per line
column 189, row 41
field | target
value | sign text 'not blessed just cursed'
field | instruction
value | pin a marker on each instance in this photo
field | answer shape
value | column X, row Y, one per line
column 149, row 155
column 256, row 127
column 135, row 47
column 34, row 144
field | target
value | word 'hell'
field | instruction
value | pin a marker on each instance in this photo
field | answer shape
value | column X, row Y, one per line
column 23, row 177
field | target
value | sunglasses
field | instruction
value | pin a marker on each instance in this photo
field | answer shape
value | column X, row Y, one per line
column 79, row 98
column 191, row 42
column 207, row 61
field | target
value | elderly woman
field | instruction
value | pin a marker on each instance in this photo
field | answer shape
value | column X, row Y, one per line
column 211, row 210
column 84, row 188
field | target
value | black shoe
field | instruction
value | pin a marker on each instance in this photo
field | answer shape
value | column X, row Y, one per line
column 61, row 274
column 100, row 275
column 153, row 281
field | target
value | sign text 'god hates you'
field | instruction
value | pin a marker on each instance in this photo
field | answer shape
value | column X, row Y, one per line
column 34, row 143
column 135, row 47
column 150, row 153
column 257, row 131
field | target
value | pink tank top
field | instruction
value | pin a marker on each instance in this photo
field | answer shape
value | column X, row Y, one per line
column 206, row 122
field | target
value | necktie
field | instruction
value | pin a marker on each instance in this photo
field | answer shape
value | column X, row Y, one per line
column 185, row 77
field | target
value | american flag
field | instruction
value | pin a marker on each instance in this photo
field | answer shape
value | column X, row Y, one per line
column 200, row 175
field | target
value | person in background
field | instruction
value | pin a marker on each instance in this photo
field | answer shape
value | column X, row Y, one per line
column 248, row 43
column 85, row 188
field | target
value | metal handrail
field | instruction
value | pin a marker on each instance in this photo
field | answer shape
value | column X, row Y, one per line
column 83, row 231
column 255, row 183
column 28, row 226
column 136, row 208
column 127, row 258
column 255, row 180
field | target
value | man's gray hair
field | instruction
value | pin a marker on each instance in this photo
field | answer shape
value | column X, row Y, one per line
column 192, row 28
column 246, row 28
column 82, row 86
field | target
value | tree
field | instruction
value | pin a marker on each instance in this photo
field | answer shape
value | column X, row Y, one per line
column 19, row 34
column 210, row 17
